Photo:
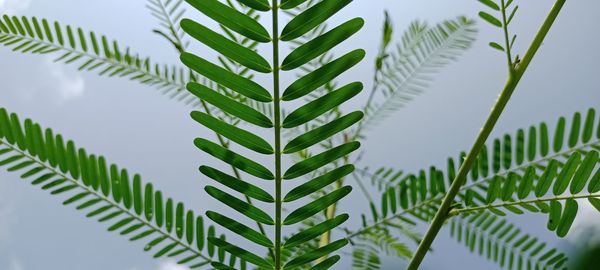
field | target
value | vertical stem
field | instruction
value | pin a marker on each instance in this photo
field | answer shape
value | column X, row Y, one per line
column 512, row 82
column 277, row 109
column 506, row 38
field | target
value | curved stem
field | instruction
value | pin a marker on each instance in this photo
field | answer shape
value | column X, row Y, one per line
column 520, row 202
column 277, row 124
column 511, row 84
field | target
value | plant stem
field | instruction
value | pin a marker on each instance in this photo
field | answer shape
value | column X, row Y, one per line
column 506, row 38
column 277, row 112
column 520, row 202
column 511, row 84
column 464, row 188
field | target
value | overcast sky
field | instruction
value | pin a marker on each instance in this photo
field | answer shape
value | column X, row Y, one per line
column 141, row 130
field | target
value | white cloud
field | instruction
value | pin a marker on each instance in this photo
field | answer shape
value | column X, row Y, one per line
column 585, row 230
column 171, row 265
column 14, row 6
column 68, row 86
column 15, row 264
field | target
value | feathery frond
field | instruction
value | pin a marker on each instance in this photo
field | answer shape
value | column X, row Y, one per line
column 504, row 244
column 405, row 72
column 169, row 14
column 414, row 198
column 105, row 192
column 92, row 52
column 232, row 20
column 507, row 13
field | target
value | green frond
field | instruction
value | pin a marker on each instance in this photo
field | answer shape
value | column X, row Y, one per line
column 97, row 53
column 500, row 15
column 496, row 180
column 169, row 14
column 92, row 52
column 368, row 248
column 406, row 71
column 535, row 151
column 528, row 192
column 503, row 243
column 105, row 192
column 305, row 30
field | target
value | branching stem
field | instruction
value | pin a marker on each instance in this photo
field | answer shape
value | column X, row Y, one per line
column 511, row 84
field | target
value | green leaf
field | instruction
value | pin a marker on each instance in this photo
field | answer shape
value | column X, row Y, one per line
column 544, row 140
column 244, row 208
column 232, row 19
column 315, row 254
column 575, row 130
column 595, row 203
column 588, row 128
column 229, row 105
column 566, row 174
column 234, row 159
column 554, row 215
column 567, row 218
column 262, row 5
column 497, row 46
column 313, row 163
column 240, row 229
column 559, row 135
column 319, row 134
column 490, row 4
column 226, row 47
column 226, row 78
column 240, row 253
column 311, row 18
column 327, row 263
column 238, row 185
column 526, row 184
column 318, row 183
column 322, row 75
column 319, row 106
column 316, row 47
column 315, row 231
column 494, row 189
column 221, row 266
column 584, row 172
column 594, row 185
column 289, row 4
column 316, row 206
column 509, row 187
column 520, row 148
column 507, row 153
column 546, row 179
column 489, row 18
column 238, row 135
column 532, row 144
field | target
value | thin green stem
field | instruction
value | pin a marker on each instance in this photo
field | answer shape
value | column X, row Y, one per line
column 455, row 212
column 464, row 188
column 511, row 66
column 277, row 124
column 511, row 84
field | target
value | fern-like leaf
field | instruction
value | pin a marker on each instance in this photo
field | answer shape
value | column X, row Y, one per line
column 405, row 72
column 506, row 177
column 234, row 21
column 106, row 193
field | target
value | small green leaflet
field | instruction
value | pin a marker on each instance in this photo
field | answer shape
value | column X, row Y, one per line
column 232, row 19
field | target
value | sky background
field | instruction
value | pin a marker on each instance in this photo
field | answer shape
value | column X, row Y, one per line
column 143, row 131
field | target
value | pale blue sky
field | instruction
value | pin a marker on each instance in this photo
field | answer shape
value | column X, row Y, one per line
column 147, row 133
